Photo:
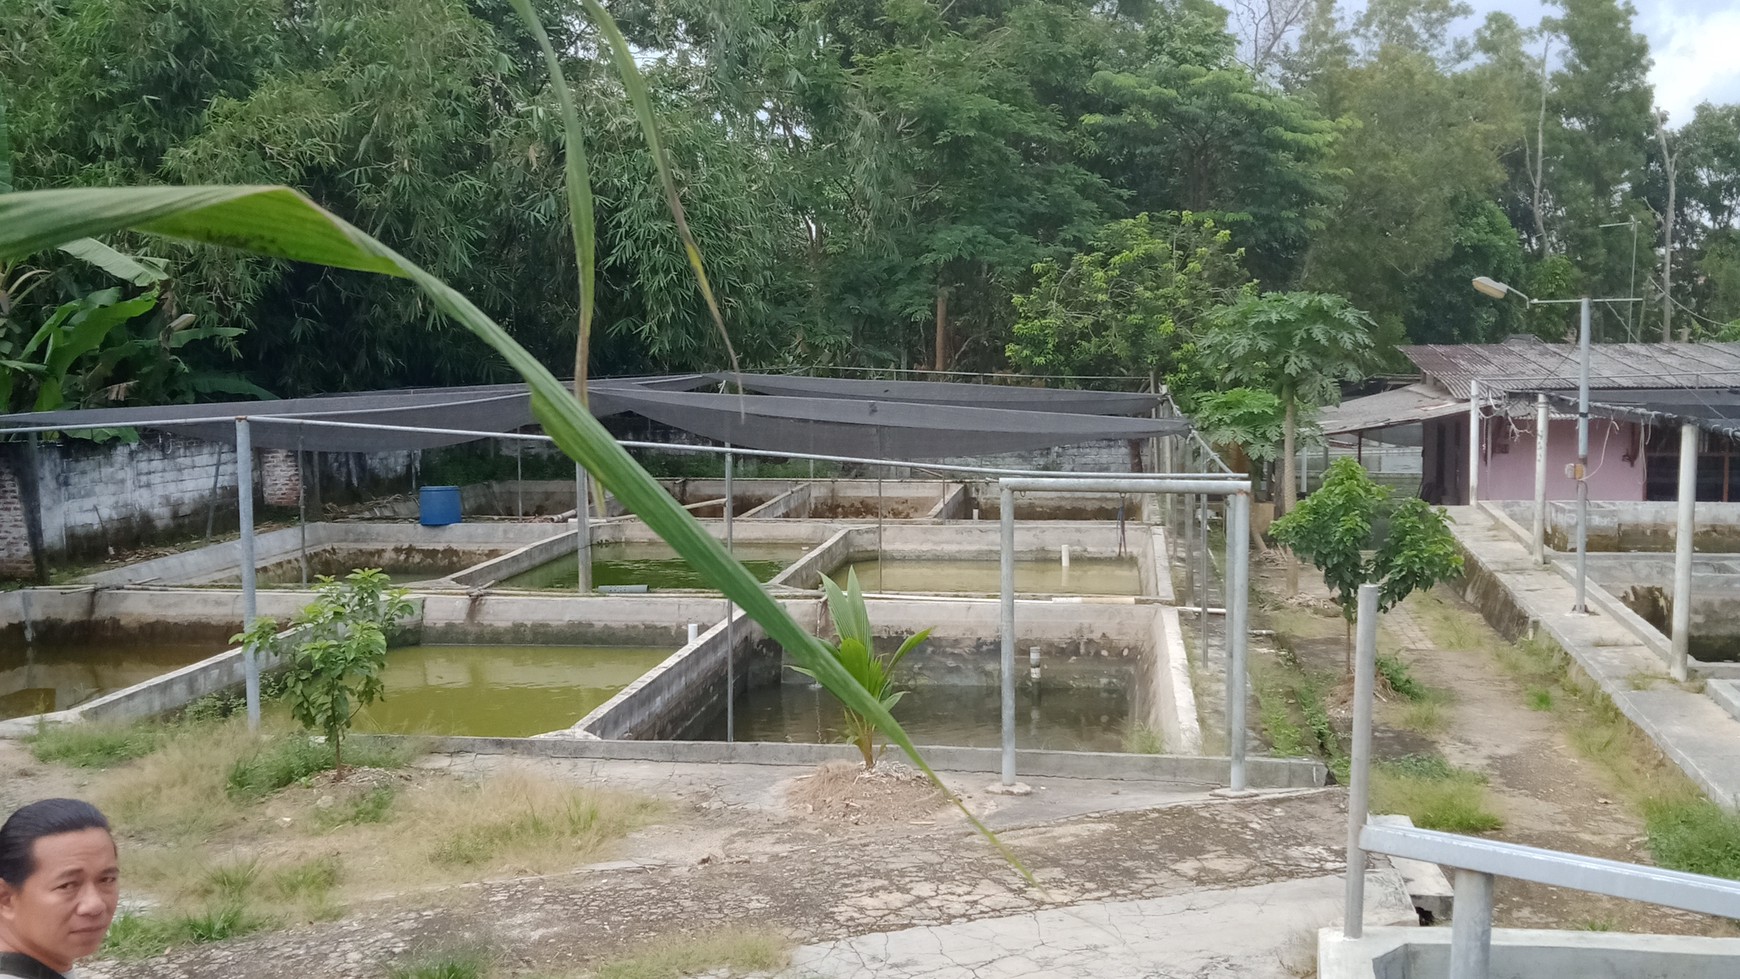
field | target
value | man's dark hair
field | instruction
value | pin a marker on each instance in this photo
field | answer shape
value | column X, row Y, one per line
column 50, row 817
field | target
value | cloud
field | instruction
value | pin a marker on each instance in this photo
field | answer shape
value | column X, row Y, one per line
column 1694, row 58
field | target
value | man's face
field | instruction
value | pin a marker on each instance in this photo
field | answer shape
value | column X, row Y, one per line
column 62, row 911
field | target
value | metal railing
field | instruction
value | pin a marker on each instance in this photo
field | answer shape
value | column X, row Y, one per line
column 1477, row 861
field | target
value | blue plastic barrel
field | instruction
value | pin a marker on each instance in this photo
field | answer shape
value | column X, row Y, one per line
column 438, row 506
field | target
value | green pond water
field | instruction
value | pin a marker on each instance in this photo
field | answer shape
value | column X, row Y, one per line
column 1049, row 577
column 43, row 677
column 501, row 691
column 1063, row 719
column 654, row 565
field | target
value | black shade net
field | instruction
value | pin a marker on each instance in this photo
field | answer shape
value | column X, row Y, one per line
column 923, row 420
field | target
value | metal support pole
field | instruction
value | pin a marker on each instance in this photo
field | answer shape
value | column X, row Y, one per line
column 1542, row 423
column 250, row 607
column 1238, row 611
column 582, row 531
column 1680, row 647
column 1006, row 515
column 217, row 471
column 519, row 481
column 1207, row 578
column 730, row 608
column 302, row 510
column 1473, row 442
column 1471, row 928
column 1583, row 457
column 1359, row 768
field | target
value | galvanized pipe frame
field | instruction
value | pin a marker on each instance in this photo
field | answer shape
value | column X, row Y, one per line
column 1477, row 861
column 1238, row 558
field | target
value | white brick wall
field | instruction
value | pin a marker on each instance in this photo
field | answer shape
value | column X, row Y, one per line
column 94, row 497
column 14, row 535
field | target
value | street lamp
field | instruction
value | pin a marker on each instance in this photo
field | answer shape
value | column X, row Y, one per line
column 1498, row 290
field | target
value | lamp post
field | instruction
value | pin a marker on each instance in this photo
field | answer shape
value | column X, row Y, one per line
column 1498, row 290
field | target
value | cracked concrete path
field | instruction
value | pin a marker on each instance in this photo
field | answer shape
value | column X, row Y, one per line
column 1264, row 931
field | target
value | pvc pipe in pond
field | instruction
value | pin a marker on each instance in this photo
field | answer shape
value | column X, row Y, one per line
column 694, row 633
column 1066, row 555
column 975, row 513
column 1033, row 663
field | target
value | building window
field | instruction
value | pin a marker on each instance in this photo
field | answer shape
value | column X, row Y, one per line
column 1718, row 467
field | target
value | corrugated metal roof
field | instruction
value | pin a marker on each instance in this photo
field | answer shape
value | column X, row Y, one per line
column 1711, row 409
column 1528, row 364
column 1414, row 403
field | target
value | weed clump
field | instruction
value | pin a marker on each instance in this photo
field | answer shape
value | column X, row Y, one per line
column 1694, row 835
column 1434, row 794
column 291, row 758
column 95, row 745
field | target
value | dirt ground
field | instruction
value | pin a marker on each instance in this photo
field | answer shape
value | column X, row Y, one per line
column 1548, row 794
column 709, row 863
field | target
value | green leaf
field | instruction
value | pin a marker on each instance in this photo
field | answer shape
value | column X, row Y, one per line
column 124, row 267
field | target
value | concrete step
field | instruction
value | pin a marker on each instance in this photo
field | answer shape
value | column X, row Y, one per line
column 1425, row 882
column 1726, row 693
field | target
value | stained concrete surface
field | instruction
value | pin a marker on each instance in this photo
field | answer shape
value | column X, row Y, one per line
column 1264, row 931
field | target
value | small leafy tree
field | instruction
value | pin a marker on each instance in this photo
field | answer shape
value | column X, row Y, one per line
column 856, row 651
column 1301, row 345
column 339, row 650
column 1335, row 527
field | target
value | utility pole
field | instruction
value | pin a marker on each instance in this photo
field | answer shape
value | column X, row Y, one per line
column 1667, row 257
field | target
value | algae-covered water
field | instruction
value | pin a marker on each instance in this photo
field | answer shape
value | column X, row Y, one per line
column 655, row 565
column 501, row 691
column 42, row 677
column 1064, row 719
column 1098, row 576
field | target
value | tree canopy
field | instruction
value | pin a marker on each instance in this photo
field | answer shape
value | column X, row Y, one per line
column 1061, row 186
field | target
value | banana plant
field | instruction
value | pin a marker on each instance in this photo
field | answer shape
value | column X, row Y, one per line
column 856, row 652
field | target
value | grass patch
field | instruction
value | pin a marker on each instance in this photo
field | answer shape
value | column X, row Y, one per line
column 1694, row 835
column 1540, row 698
column 1434, row 794
column 1275, row 713
column 139, row 936
column 291, row 758
column 522, row 820
column 95, row 745
column 1141, row 739
column 734, row 950
column 466, row 962
column 373, row 806
column 1401, row 679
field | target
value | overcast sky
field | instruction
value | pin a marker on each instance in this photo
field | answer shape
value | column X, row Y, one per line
column 1695, row 45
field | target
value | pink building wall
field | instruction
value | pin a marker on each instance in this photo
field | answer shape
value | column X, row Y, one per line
column 1616, row 460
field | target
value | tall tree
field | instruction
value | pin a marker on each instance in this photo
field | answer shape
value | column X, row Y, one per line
column 1130, row 306
column 1600, row 126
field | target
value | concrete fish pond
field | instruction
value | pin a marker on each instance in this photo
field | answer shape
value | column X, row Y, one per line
column 940, row 576
column 40, row 677
column 500, row 691
column 1067, row 719
column 653, row 565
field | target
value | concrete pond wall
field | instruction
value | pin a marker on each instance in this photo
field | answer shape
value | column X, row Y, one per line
column 1632, row 526
column 1424, row 953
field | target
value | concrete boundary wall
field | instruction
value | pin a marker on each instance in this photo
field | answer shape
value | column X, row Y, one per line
column 516, row 618
column 1173, row 697
column 217, row 560
column 676, row 697
column 952, row 506
column 1261, row 773
column 793, row 502
column 807, row 571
